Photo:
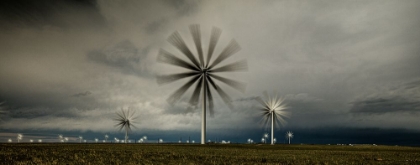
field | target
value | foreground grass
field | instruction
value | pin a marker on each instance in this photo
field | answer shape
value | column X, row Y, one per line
column 204, row 154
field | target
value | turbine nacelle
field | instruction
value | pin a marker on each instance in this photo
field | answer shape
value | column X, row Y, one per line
column 205, row 71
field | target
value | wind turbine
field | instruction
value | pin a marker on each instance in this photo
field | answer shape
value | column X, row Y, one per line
column 202, row 71
column 265, row 136
column 125, row 119
column 60, row 138
column 106, row 137
column 19, row 137
column 273, row 109
column 289, row 135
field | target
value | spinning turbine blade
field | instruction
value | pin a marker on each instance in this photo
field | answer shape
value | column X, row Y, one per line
column 280, row 120
column 215, row 34
column 236, row 66
column 123, row 113
column 176, row 40
column 134, row 127
column 212, row 82
column 226, row 98
column 195, row 32
column 120, row 117
column 133, row 118
column 210, row 97
column 283, row 115
column 231, row 49
column 265, row 118
column 178, row 93
column 166, row 57
column 121, row 126
column 196, row 93
column 164, row 79
column 232, row 83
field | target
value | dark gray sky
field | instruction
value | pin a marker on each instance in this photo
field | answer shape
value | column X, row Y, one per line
column 70, row 65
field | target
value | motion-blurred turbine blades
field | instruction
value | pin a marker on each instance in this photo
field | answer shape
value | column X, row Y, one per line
column 196, row 93
column 210, row 98
column 166, row 57
column 226, row 98
column 231, row 49
column 176, row 40
column 215, row 34
column 195, row 32
column 232, row 83
column 178, row 93
column 164, row 79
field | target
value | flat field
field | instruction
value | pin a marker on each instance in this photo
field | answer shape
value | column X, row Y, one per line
column 205, row 154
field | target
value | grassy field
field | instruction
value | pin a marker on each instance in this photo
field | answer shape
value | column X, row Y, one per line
column 205, row 154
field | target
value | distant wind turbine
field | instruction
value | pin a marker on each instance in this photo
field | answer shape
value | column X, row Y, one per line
column 202, row 71
column 19, row 137
column 289, row 135
column 265, row 136
column 125, row 119
column 60, row 138
column 274, row 110
column 106, row 137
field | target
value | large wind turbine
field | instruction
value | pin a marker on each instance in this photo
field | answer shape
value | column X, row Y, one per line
column 125, row 119
column 202, row 71
column 274, row 110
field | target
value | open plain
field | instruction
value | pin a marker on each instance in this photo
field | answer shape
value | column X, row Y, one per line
column 205, row 154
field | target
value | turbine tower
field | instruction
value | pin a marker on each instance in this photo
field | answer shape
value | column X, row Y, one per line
column 202, row 71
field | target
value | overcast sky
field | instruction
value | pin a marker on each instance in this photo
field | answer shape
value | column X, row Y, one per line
column 70, row 65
